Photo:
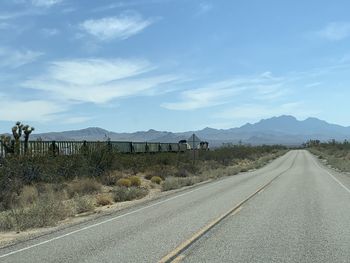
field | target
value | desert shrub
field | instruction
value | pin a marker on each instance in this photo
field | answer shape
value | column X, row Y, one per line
column 82, row 204
column 172, row 183
column 135, row 181
column 101, row 159
column 124, row 182
column 28, row 196
column 83, row 186
column 46, row 211
column 182, row 172
column 6, row 221
column 149, row 175
column 161, row 171
column 156, row 180
column 121, row 194
column 62, row 168
column 137, row 193
column 111, row 178
column 103, row 200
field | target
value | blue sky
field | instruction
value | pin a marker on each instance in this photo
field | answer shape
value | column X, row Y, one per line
column 173, row 65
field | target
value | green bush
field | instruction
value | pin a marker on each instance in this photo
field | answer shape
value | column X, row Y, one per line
column 156, row 180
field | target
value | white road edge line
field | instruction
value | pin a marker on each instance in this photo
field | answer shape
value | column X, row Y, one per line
column 108, row 220
column 332, row 176
column 104, row 222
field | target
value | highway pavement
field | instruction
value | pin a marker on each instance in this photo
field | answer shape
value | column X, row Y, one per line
column 293, row 210
column 303, row 217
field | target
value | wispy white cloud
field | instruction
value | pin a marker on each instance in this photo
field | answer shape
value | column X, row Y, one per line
column 13, row 58
column 118, row 27
column 335, row 31
column 50, row 32
column 96, row 71
column 68, row 119
column 263, row 87
column 45, row 3
column 129, row 4
column 113, row 6
column 313, row 84
column 29, row 110
column 16, row 14
column 96, row 80
column 5, row 25
column 212, row 95
column 204, row 8
column 255, row 112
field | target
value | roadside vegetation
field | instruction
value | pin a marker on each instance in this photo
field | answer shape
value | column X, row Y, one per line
column 336, row 154
column 39, row 191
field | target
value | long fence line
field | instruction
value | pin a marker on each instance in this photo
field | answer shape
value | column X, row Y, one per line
column 76, row 147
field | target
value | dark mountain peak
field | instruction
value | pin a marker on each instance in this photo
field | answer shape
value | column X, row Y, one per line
column 153, row 131
column 276, row 120
column 282, row 118
column 315, row 120
column 94, row 129
column 284, row 129
column 208, row 129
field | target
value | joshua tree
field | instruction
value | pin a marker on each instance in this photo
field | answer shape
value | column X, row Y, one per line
column 14, row 145
column 17, row 133
column 8, row 143
column 27, row 131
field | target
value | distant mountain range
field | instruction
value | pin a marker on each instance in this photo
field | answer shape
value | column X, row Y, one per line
column 286, row 130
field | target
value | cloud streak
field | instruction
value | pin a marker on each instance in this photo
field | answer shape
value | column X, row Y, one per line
column 264, row 87
column 118, row 27
column 45, row 3
column 204, row 8
column 29, row 110
column 97, row 81
column 12, row 58
column 335, row 31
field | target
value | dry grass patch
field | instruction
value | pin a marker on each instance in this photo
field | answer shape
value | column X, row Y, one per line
column 28, row 196
column 156, row 180
column 81, row 204
column 124, row 182
column 172, row 183
column 83, row 186
column 47, row 210
column 135, row 181
column 104, row 199
column 121, row 194
column 111, row 178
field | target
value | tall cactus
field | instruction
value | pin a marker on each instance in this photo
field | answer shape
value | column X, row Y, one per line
column 8, row 144
column 14, row 146
column 27, row 131
column 17, row 133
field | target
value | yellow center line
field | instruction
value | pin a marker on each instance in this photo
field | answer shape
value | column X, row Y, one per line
column 176, row 254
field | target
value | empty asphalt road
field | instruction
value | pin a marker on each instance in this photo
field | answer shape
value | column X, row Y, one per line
column 303, row 215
